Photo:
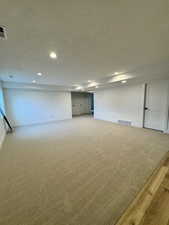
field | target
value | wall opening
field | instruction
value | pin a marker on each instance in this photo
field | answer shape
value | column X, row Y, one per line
column 82, row 103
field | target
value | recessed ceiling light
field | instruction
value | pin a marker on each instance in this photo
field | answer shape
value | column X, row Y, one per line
column 53, row 55
column 39, row 74
column 116, row 73
column 34, row 81
column 93, row 84
column 79, row 88
column 120, row 78
column 123, row 81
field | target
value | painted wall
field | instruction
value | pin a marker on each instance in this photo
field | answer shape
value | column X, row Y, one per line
column 81, row 103
column 26, row 107
column 120, row 103
column 2, row 127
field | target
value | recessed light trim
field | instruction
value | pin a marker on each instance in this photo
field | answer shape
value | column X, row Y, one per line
column 53, row 55
column 39, row 74
column 34, row 81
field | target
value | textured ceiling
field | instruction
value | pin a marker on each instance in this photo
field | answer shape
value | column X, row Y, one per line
column 92, row 39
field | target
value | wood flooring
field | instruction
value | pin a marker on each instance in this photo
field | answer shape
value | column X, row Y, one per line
column 151, row 206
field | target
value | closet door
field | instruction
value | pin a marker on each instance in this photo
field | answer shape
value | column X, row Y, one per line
column 156, row 105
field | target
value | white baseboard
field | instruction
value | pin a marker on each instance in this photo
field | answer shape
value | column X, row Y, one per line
column 133, row 124
column 40, row 123
column 2, row 138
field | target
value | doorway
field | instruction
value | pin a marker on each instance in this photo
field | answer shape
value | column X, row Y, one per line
column 156, row 105
column 82, row 103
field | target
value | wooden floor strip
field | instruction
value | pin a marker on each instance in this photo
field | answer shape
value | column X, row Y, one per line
column 151, row 206
column 158, row 212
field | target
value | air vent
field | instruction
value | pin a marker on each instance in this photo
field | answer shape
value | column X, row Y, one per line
column 3, row 35
column 124, row 122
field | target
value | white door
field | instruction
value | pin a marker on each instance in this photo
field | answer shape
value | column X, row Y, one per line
column 156, row 105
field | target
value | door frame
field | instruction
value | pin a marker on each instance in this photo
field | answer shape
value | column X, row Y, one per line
column 166, row 129
column 144, row 104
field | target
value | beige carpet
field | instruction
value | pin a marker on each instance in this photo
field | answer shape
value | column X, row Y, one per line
column 75, row 172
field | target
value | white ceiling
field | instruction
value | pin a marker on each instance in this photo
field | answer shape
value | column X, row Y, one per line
column 92, row 39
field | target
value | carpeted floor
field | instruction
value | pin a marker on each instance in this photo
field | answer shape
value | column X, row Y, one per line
column 75, row 172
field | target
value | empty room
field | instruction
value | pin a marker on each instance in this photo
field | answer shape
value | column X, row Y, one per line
column 84, row 112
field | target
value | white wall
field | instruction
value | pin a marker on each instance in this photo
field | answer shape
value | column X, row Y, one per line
column 26, row 107
column 120, row 103
column 2, row 127
column 81, row 103
column 167, row 131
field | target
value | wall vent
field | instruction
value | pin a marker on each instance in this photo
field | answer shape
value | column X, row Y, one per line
column 124, row 122
column 3, row 35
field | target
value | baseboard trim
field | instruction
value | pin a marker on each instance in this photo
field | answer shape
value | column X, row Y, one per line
column 116, row 122
column 41, row 123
